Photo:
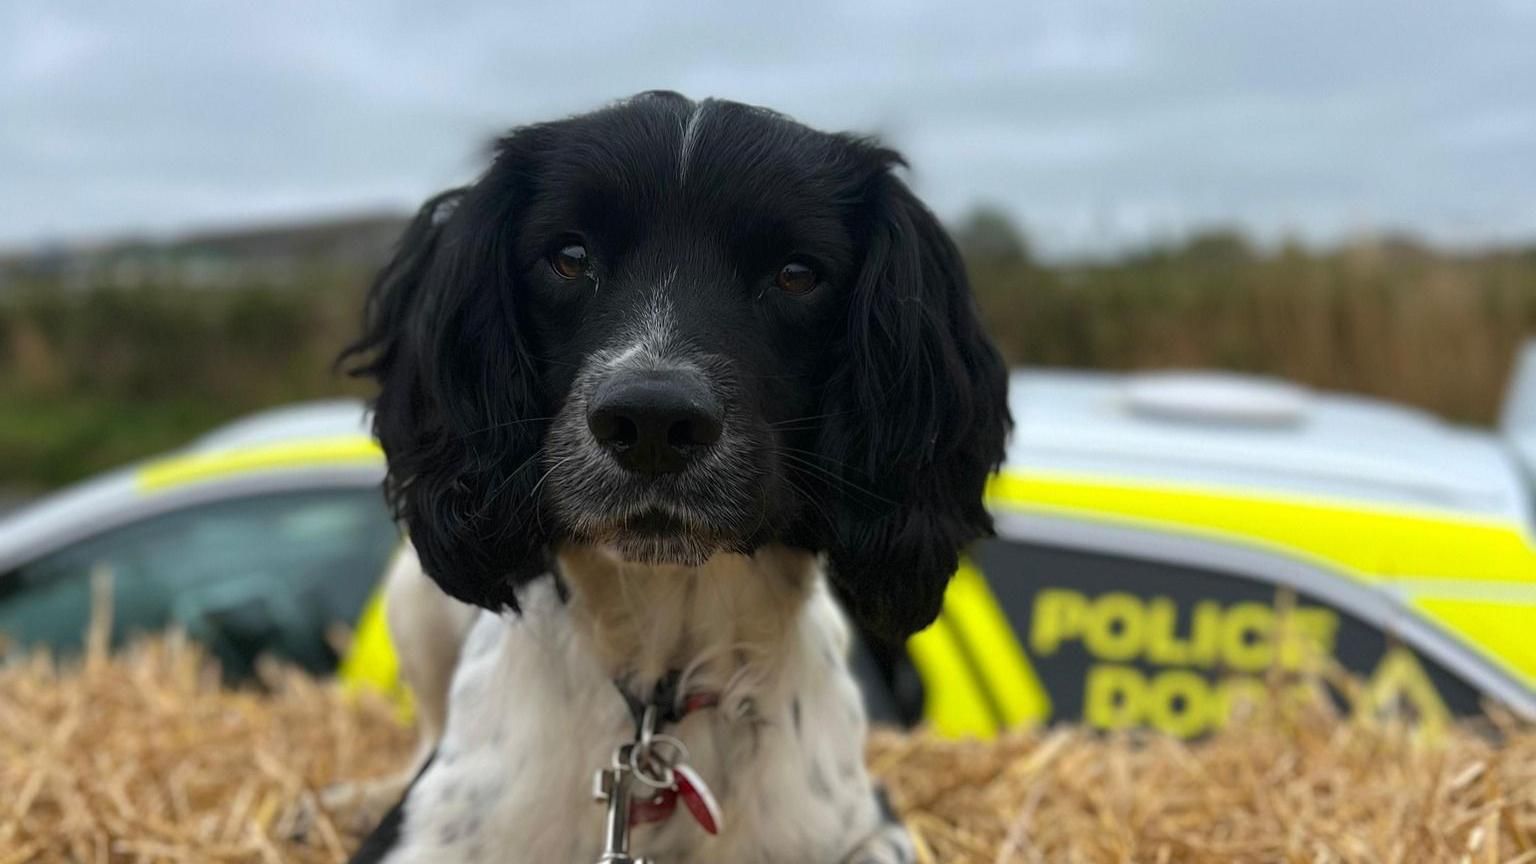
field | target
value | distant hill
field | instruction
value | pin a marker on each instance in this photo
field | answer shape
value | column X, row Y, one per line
column 260, row 256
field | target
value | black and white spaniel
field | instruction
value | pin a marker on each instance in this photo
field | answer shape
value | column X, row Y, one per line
column 658, row 385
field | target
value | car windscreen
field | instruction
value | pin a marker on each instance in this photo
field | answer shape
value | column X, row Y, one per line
column 269, row 572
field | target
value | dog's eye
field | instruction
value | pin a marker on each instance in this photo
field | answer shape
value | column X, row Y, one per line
column 570, row 261
column 795, row 278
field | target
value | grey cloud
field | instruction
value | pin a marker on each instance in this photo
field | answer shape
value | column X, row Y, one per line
column 1099, row 124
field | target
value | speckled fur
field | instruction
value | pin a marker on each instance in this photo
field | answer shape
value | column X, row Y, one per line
column 533, row 713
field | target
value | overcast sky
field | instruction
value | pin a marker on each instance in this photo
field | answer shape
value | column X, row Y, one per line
column 1099, row 125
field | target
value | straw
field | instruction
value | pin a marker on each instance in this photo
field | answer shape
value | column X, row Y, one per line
column 143, row 756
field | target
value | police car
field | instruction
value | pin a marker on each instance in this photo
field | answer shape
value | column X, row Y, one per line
column 1167, row 543
column 259, row 537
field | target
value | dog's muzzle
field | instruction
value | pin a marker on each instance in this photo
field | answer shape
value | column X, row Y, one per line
column 655, row 421
column 657, row 462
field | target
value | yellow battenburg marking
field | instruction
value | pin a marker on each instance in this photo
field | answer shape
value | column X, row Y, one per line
column 1501, row 629
column 953, row 702
column 964, row 694
column 199, row 467
column 1373, row 542
column 371, row 662
column 974, row 611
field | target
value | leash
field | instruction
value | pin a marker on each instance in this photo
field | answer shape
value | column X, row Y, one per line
column 654, row 765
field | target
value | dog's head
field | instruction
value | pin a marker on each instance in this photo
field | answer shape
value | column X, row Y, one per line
column 674, row 329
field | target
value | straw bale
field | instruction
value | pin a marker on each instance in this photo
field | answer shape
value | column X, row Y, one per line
column 144, row 757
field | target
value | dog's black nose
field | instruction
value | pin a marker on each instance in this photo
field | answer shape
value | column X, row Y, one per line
column 655, row 421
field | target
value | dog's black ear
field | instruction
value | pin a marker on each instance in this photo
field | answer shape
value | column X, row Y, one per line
column 918, row 418
column 459, row 411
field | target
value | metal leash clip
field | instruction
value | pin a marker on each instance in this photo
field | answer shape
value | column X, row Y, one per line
column 660, row 763
column 611, row 785
column 650, row 759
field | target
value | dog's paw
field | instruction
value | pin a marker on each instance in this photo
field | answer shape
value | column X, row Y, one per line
column 890, row 844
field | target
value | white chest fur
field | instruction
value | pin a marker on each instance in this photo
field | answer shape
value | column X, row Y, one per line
column 533, row 714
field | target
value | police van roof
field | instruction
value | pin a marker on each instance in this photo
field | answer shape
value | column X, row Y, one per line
column 123, row 495
column 1202, row 429
column 1260, row 435
column 319, row 419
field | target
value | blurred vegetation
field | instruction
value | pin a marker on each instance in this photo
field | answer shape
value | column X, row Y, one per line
column 1388, row 317
column 91, row 377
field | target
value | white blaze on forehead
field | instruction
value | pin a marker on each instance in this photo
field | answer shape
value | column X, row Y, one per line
column 650, row 334
column 690, row 139
column 656, row 324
